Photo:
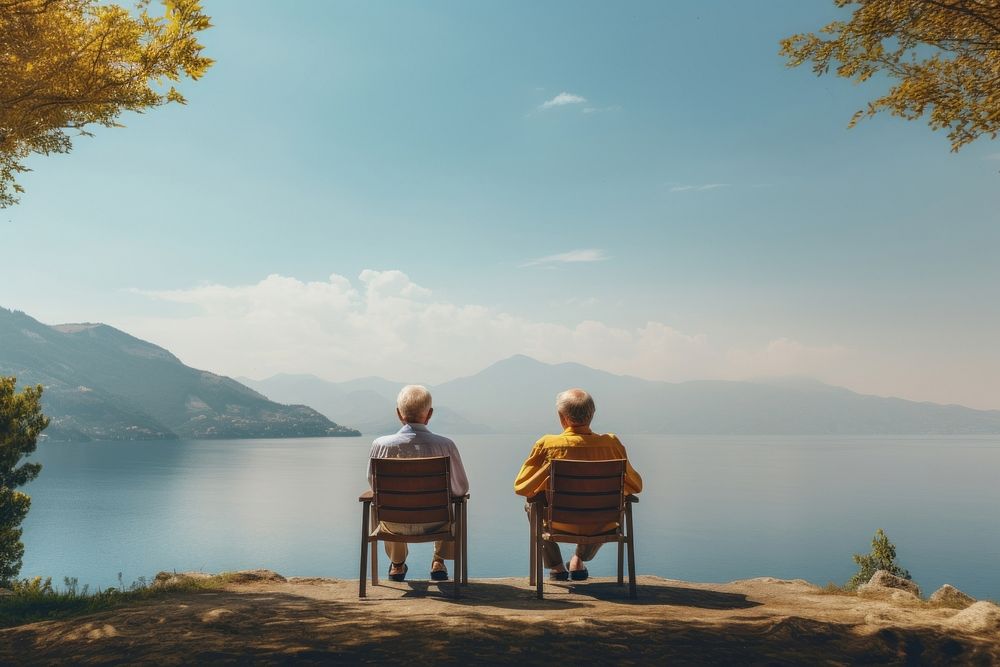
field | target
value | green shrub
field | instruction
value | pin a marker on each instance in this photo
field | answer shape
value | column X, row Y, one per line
column 21, row 420
column 36, row 599
column 882, row 557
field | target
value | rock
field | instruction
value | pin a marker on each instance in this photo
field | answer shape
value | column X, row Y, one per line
column 949, row 596
column 218, row 616
column 178, row 578
column 882, row 582
column 253, row 576
column 979, row 617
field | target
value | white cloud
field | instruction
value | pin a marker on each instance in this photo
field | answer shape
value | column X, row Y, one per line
column 562, row 99
column 678, row 187
column 385, row 324
column 615, row 107
column 571, row 257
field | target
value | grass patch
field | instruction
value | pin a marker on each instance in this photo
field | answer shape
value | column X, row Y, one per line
column 38, row 600
column 834, row 589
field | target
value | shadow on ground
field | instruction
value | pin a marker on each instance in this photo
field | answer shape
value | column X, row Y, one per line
column 495, row 623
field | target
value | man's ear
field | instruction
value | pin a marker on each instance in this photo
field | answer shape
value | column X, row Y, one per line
column 429, row 413
column 400, row 415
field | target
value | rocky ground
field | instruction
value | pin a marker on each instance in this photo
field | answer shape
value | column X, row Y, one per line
column 263, row 618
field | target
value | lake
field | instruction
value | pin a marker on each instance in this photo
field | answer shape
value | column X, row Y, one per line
column 715, row 508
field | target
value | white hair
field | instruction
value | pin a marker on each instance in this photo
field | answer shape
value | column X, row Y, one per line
column 577, row 406
column 414, row 402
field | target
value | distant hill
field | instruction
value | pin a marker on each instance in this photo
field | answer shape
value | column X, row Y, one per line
column 517, row 395
column 369, row 404
column 101, row 383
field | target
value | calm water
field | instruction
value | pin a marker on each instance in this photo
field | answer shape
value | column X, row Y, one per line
column 714, row 508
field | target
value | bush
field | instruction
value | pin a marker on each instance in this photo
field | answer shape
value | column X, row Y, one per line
column 36, row 599
column 21, row 420
column 882, row 557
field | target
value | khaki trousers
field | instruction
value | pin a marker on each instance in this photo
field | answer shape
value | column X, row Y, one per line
column 398, row 551
column 551, row 554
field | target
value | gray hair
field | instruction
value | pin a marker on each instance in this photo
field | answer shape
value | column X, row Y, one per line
column 577, row 406
column 414, row 402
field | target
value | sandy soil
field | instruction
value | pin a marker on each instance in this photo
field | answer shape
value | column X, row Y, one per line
column 498, row 621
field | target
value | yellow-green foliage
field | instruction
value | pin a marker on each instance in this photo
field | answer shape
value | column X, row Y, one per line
column 942, row 55
column 69, row 64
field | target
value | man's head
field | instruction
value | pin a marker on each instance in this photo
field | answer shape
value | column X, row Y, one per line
column 575, row 408
column 413, row 405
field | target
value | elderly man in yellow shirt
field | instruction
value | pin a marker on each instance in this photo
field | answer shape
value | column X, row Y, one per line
column 575, row 408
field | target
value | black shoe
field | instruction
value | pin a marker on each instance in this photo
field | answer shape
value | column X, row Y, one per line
column 578, row 575
column 401, row 576
column 559, row 576
column 439, row 575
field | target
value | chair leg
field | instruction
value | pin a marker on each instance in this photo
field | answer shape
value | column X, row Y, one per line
column 532, row 544
column 363, row 579
column 538, row 559
column 465, row 543
column 374, row 555
column 632, row 594
column 621, row 562
column 459, row 557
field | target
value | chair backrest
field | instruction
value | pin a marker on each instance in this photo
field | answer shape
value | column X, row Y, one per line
column 412, row 490
column 586, row 492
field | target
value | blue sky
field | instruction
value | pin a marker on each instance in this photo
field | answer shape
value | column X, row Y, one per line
column 735, row 227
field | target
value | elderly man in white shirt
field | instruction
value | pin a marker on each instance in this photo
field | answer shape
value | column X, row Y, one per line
column 415, row 440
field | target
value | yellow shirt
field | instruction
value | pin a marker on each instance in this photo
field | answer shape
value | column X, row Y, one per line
column 577, row 443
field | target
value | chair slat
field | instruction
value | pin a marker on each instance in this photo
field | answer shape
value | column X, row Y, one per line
column 402, row 515
column 412, row 484
column 437, row 465
column 584, row 485
column 597, row 517
column 570, row 467
column 608, row 501
column 436, row 499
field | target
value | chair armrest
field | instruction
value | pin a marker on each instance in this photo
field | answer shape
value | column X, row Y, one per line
column 366, row 497
column 459, row 499
column 631, row 499
column 537, row 498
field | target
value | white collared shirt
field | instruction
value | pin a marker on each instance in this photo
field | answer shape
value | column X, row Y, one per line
column 416, row 441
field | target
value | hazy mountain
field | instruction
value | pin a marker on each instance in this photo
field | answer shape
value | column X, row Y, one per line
column 517, row 395
column 521, row 391
column 369, row 404
column 101, row 383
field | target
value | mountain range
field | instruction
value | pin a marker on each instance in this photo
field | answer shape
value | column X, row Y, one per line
column 102, row 383
column 517, row 395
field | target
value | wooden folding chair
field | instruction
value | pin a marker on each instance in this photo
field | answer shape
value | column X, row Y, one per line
column 411, row 491
column 583, row 492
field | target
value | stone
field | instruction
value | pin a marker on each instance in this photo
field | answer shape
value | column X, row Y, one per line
column 882, row 582
column 253, row 576
column 218, row 616
column 978, row 617
column 950, row 596
column 177, row 578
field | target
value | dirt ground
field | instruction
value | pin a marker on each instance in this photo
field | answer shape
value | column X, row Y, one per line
column 498, row 621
